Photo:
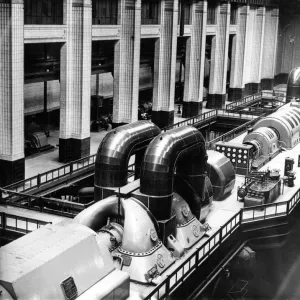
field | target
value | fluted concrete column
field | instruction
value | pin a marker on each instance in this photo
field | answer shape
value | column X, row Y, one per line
column 269, row 48
column 165, row 65
column 237, row 86
column 219, row 59
column 254, row 44
column 127, row 63
column 12, row 163
column 74, row 139
column 194, row 63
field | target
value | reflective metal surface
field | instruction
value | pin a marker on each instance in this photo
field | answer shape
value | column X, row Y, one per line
column 95, row 216
column 221, row 174
column 181, row 209
column 208, row 199
column 183, row 148
column 186, row 191
column 140, row 232
column 188, row 228
column 267, row 139
column 117, row 147
column 293, row 85
column 111, row 235
column 285, row 123
column 141, row 254
column 5, row 295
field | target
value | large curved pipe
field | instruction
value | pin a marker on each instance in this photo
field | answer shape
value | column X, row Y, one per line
column 115, row 150
column 95, row 216
column 138, row 225
column 186, row 191
column 293, row 85
column 138, row 221
column 182, row 147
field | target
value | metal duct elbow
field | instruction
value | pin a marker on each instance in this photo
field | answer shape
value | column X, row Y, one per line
column 140, row 227
column 293, row 85
column 95, row 216
column 115, row 150
column 177, row 147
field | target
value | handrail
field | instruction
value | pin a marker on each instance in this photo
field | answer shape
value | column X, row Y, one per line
column 277, row 96
column 87, row 163
column 232, row 133
column 167, row 286
column 61, row 207
column 182, row 272
column 244, row 216
column 19, row 224
column 244, row 101
column 193, row 120
column 263, row 212
column 72, row 168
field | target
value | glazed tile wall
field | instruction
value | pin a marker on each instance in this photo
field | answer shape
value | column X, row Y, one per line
column 11, row 80
column 219, row 56
column 165, row 57
column 195, row 54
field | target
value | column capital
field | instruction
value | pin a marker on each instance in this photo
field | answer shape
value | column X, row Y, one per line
column 82, row 3
column 17, row 1
column 138, row 4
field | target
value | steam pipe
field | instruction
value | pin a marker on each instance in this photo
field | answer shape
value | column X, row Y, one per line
column 186, row 191
column 138, row 222
column 115, row 150
column 95, row 216
column 185, row 144
column 293, row 85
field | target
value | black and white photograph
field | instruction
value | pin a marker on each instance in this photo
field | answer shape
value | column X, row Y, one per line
column 149, row 149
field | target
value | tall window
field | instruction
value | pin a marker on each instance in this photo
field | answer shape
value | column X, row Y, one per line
column 43, row 11
column 105, row 12
column 150, row 12
column 233, row 13
column 211, row 13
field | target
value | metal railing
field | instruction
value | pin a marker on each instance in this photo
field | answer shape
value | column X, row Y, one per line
column 232, row 133
column 43, row 204
column 19, row 224
column 235, row 115
column 182, row 272
column 263, row 212
column 74, row 168
column 274, row 93
column 201, row 254
column 207, row 116
column 86, row 164
column 246, row 101
column 244, row 216
column 194, row 120
column 276, row 96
